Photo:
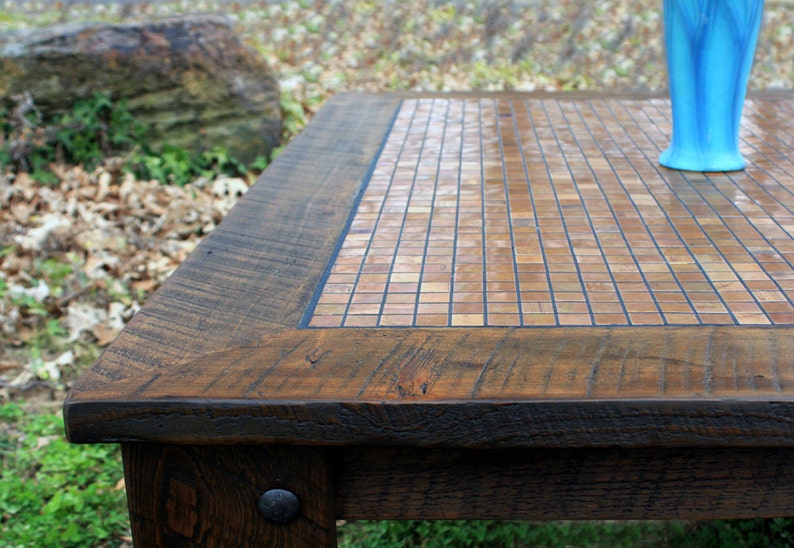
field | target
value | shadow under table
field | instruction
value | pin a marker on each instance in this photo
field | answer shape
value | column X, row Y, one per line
column 467, row 306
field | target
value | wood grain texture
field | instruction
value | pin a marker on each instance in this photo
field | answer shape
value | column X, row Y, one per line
column 207, row 496
column 609, row 484
column 473, row 388
column 483, row 424
column 485, row 363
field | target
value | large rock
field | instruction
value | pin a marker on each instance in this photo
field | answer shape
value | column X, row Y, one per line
column 189, row 79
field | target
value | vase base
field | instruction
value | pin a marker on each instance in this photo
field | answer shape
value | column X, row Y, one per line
column 676, row 159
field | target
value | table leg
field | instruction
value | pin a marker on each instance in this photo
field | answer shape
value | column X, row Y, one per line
column 184, row 495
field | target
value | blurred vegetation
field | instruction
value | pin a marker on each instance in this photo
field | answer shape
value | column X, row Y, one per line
column 97, row 129
column 53, row 493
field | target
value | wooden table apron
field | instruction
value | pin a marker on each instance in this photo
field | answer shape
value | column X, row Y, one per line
column 217, row 394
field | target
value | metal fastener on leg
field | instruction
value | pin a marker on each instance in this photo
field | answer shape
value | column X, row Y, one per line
column 279, row 506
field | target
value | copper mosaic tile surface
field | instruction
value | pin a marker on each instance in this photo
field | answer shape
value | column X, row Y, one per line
column 555, row 212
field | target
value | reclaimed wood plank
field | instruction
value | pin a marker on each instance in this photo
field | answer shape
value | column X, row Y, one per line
column 488, row 363
column 354, row 386
column 484, row 424
column 682, row 483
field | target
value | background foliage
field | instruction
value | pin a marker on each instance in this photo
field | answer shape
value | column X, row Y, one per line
column 96, row 129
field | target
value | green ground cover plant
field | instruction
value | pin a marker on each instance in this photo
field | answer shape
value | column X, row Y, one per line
column 53, row 493
column 98, row 128
column 758, row 533
column 437, row 534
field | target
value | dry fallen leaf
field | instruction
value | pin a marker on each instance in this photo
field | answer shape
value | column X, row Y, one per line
column 105, row 334
column 8, row 365
column 111, row 241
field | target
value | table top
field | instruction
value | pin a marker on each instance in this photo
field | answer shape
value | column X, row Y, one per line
column 476, row 270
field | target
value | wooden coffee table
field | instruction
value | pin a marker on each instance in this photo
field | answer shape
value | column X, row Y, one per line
column 467, row 306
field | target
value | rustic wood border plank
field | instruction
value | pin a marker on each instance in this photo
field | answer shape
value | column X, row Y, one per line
column 686, row 483
column 476, row 424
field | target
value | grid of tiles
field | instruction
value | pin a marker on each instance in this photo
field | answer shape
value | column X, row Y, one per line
column 555, row 212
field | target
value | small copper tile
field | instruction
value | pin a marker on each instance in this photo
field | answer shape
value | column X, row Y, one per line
column 403, row 287
column 778, row 306
column 425, row 298
column 398, row 309
column 545, row 308
column 396, row 320
column 607, row 308
column 432, row 320
column 363, row 309
column 550, row 212
column 681, row 319
column 323, row 320
column 504, row 320
column 366, row 298
column 468, row 308
column 467, row 320
column 753, row 319
column 432, row 309
column 609, row 319
column 574, row 319
column 333, row 298
column 361, row 321
column 330, row 309
column 716, row 319
column 503, row 308
column 638, row 318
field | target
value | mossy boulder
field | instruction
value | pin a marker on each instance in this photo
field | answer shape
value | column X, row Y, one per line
column 189, row 80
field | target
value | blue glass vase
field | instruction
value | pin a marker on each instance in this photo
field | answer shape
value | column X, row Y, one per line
column 710, row 47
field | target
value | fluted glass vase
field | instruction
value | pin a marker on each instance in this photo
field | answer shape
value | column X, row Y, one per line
column 710, row 48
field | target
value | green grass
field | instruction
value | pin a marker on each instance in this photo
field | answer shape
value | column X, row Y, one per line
column 437, row 534
column 755, row 533
column 53, row 493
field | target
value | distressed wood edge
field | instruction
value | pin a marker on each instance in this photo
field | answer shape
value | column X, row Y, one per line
column 480, row 424
column 158, row 408
column 319, row 353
